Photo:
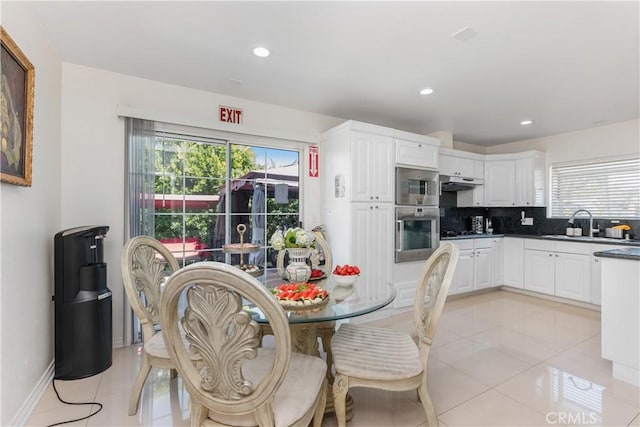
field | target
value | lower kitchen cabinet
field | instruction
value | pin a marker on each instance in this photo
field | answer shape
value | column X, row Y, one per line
column 475, row 265
column 539, row 271
column 513, row 262
column 558, row 268
column 596, row 272
column 497, row 261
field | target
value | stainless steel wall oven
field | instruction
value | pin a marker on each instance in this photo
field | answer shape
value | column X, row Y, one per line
column 417, row 232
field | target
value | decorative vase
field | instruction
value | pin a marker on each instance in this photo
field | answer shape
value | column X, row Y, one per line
column 298, row 271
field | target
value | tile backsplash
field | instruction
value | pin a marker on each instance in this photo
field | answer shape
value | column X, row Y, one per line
column 507, row 221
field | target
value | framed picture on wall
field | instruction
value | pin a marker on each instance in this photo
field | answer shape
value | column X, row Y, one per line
column 18, row 76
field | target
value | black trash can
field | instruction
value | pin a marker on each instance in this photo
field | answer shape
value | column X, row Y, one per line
column 83, row 332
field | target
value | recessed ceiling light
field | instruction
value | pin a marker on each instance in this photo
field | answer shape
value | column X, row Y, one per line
column 526, row 122
column 262, row 52
column 426, row 91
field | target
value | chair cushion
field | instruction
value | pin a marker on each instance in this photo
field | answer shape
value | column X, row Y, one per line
column 296, row 395
column 155, row 347
column 375, row 353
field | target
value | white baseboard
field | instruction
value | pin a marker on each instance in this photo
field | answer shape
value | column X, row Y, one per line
column 32, row 400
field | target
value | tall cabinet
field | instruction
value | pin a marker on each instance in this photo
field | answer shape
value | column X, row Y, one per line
column 357, row 171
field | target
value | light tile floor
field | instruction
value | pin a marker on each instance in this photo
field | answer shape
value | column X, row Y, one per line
column 499, row 359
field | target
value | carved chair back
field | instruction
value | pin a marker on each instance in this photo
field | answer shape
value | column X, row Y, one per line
column 434, row 283
column 146, row 263
column 222, row 335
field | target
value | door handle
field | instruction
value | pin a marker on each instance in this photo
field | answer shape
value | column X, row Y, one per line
column 399, row 233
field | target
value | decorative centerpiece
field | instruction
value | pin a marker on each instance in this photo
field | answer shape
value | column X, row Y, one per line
column 297, row 242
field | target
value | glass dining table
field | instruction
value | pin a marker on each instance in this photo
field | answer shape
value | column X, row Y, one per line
column 345, row 302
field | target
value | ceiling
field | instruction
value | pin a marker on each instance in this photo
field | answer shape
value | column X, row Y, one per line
column 566, row 65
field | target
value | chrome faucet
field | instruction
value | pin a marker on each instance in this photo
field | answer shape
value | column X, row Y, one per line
column 573, row 217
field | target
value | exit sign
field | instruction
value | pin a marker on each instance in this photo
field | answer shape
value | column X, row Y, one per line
column 230, row 115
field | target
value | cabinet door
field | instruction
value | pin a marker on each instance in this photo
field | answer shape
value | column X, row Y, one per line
column 573, row 276
column 361, row 254
column 447, row 165
column 411, row 153
column 361, row 158
column 497, row 261
column 471, row 198
column 499, row 182
column 478, row 169
column 539, row 271
column 463, row 277
column 381, row 169
column 382, row 245
column 465, row 167
column 483, row 266
column 514, row 262
column 524, row 182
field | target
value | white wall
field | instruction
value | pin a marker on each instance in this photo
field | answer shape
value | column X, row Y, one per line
column 30, row 216
column 93, row 148
column 594, row 143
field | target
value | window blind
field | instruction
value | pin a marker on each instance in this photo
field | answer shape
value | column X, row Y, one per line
column 608, row 189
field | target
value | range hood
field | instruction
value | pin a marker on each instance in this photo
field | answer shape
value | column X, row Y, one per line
column 458, row 183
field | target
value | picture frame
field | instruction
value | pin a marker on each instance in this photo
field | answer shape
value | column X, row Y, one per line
column 17, row 97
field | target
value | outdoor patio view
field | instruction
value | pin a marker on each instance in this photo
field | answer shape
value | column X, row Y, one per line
column 203, row 190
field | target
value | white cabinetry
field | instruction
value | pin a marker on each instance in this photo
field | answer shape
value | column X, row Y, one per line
column 475, row 265
column 513, row 262
column 372, row 167
column 497, row 261
column 461, row 163
column 371, row 251
column 499, row 182
column 423, row 154
column 596, row 271
column 558, row 268
column 359, row 220
column 466, row 165
column 514, row 179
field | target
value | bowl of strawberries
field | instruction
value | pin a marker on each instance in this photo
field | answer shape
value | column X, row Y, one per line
column 346, row 275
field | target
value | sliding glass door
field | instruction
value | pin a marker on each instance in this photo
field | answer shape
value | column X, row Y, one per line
column 193, row 192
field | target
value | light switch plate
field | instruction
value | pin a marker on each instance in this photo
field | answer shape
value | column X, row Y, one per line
column 527, row 221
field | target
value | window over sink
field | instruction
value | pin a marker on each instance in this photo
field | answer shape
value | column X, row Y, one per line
column 608, row 188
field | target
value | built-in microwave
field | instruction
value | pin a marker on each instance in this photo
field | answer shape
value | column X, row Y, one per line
column 417, row 232
column 416, row 187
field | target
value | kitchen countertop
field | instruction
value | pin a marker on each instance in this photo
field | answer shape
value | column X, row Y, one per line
column 472, row 236
column 626, row 253
column 556, row 237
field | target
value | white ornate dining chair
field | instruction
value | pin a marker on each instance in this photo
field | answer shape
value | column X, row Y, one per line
column 145, row 265
column 236, row 382
column 365, row 356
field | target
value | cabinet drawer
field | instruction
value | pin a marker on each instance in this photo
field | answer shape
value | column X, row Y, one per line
column 540, row 245
column 463, row 244
column 573, row 248
column 483, row 243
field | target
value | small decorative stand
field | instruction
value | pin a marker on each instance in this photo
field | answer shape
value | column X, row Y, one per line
column 241, row 249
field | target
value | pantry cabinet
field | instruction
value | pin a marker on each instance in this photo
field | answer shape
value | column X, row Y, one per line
column 371, row 251
column 371, row 167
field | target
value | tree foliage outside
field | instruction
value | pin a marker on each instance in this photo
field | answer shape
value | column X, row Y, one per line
column 192, row 168
column 185, row 167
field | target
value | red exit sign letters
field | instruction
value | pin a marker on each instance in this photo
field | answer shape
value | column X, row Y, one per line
column 230, row 115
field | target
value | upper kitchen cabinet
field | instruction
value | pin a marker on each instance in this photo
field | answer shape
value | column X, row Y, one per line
column 358, row 159
column 461, row 164
column 416, row 150
column 514, row 179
